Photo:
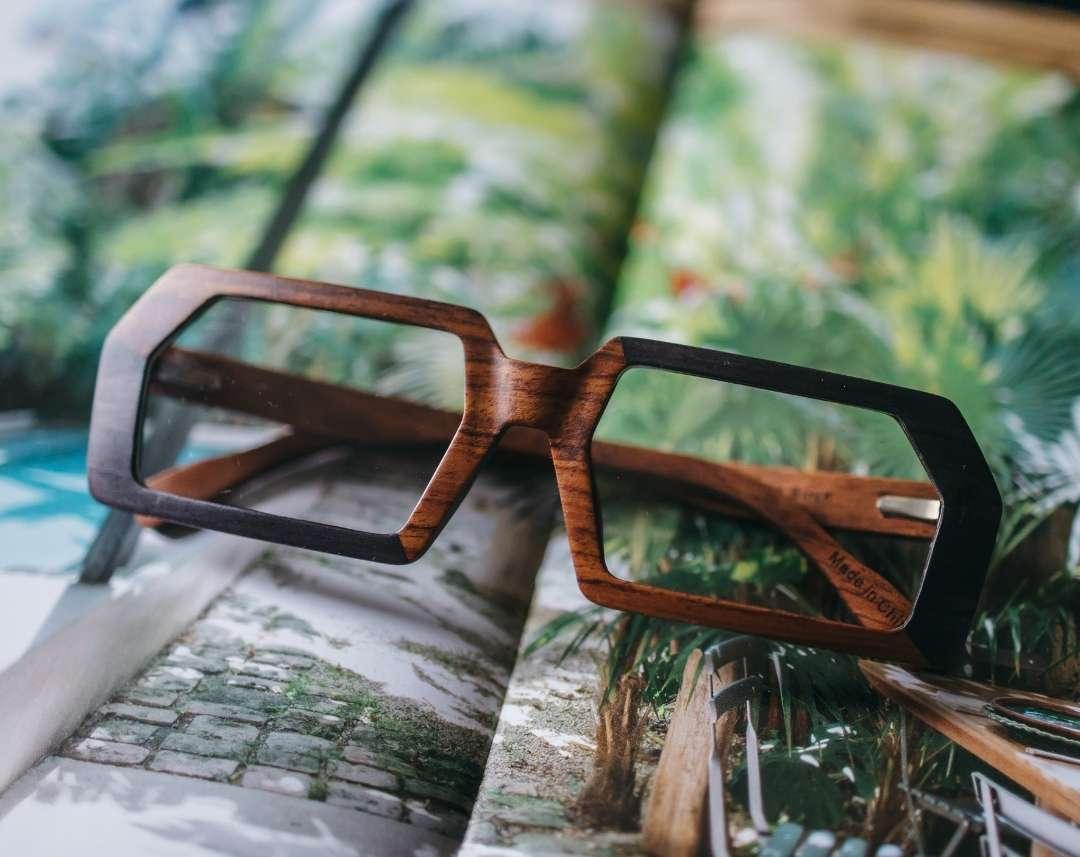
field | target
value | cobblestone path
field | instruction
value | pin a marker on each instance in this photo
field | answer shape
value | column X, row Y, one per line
column 265, row 690
column 215, row 707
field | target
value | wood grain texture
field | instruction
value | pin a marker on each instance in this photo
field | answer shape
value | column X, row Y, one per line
column 997, row 31
column 675, row 812
column 561, row 406
column 953, row 707
column 339, row 411
column 212, row 477
column 835, row 500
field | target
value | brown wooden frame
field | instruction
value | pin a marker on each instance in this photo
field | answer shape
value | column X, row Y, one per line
column 322, row 414
column 566, row 405
column 1023, row 34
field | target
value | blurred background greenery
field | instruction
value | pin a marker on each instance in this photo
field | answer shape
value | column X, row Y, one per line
column 145, row 134
column 901, row 215
column 494, row 159
column 892, row 213
column 887, row 212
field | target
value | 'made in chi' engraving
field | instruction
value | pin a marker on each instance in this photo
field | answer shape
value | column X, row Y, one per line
column 867, row 592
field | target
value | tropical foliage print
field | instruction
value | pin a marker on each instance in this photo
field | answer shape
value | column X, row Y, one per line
column 143, row 134
column 877, row 212
column 494, row 161
column 884, row 212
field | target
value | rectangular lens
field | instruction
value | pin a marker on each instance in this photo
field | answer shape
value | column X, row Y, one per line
column 257, row 403
column 719, row 489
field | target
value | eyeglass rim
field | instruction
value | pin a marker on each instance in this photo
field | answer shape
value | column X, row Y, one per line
column 942, row 609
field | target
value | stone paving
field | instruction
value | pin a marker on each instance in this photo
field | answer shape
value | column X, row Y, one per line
column 544, row 745
column 342, row 681
column 277, row 719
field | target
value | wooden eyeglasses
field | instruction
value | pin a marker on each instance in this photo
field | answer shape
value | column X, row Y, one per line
column 563, row 408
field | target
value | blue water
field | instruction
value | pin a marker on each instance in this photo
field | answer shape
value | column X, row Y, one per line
column 47, row 516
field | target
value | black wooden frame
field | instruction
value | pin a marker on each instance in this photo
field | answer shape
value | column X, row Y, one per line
column 960, row 552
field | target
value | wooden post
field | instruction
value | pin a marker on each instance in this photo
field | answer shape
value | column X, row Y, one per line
column 675, row 812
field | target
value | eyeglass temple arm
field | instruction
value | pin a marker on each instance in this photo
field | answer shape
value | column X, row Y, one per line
column 212, row 477
column 336, row 414
column 322, row 414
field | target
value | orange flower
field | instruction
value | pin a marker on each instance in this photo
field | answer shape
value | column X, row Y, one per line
column 683, row 280
column 560, row 328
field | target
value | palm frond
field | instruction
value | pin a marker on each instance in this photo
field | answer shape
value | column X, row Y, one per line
column 1039, row 380
column 1048, row 473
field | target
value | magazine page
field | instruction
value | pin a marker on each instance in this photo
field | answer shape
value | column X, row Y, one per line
column 491, row 158
column 858, row 205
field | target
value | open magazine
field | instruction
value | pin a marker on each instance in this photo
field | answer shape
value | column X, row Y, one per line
column 858, row 204
column 825, row 193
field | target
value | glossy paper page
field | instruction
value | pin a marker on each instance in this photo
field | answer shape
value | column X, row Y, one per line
column 864, row 207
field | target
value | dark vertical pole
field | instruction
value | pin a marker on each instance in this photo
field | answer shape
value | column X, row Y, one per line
column 262, row 257
column 115, row 540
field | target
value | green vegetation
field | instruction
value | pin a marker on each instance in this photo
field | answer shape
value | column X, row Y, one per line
column 880, row 213
column 153, row 137
column 868, row 231
column 873, row 230
column 493, row 162
column 486, row 166
column 492, row 159
column 407, row 738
